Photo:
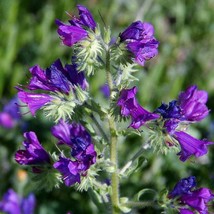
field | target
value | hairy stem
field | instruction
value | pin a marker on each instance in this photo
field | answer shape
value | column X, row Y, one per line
column 113, row 144
column 140, row 204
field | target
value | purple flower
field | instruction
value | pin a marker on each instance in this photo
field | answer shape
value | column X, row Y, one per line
column 77, row 30
column 190, row 146
column 12, row 203
column 197, row 199
column 130, row 107
column 69, row 170
column 10, row 114
column 140, row 40
column 56, row 81
column 34, row 153
column 193, row 103
column 34, row 101
column 184, row 186
column 190, row 107
column 82, row 150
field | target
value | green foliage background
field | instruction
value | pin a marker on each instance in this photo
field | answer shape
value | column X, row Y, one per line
column 185, row 30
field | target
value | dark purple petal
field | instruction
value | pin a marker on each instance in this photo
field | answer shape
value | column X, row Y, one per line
column 143, row 51
column 190, row 146
column 76, row 77
column 127, row 100
column 138, row 31
column 69, row 170
column 71, row 34
column 34, row 153
column 184, row 186
column 140, row 40
column 39, row 80
column 10, row 203
column 34, row 101
column 56, row 75
column 86, row 18
column 198, row 199
column 62, row 132
column 193, row 103
column 172, row 110
column 140, row 116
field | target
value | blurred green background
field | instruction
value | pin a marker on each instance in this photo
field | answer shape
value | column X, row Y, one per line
column 185, row 30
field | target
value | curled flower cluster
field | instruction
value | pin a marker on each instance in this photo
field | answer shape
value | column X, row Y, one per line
column 172, row 119
column 196, row 199
column 61, row 86
column 82, row 150
column 77, row 30
column 78, row 141
column 12, row 203
column 139, row 39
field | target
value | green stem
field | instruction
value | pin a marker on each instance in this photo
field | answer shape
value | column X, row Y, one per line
column 113, row 144
column 140, row 204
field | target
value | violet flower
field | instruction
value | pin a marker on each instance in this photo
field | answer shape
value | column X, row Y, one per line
column 12, row 203
column 82, row 150
column 190, row 107
column 193, row 103
column 10, row 114
column 69, row 170
column 130, row 107
column 34, row 153
column 58, row 85
column 197, row 199
column 190, row 146
column 140, row 40
column 77, row 30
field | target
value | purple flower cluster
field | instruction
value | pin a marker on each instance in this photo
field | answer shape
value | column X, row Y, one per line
column 130, row 107
column 77, row 30
column 34, row 154
column 196, row 199
column 10, row 114
column 140, row 40
column 12, row 203
column 53, row 81
column 82, row 151
column 190, row 107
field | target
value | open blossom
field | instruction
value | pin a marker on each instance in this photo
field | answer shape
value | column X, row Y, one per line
column 190, row 146
column 193, row 104
column 77, row 30
column 82, row 150
column 12, row 203
column 34, row 153
column 190, row 107
column 10, row 114
column 130, row 107
column 54, row 88
column 140, row 40
column 196, row 199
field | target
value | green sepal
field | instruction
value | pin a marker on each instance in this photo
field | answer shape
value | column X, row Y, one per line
column 122, row 205
column 46, row 180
